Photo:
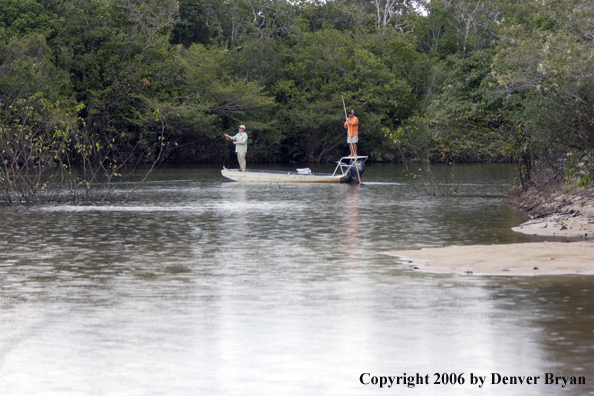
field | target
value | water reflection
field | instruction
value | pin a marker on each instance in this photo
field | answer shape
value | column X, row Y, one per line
column 352, row 223
column 199, row 286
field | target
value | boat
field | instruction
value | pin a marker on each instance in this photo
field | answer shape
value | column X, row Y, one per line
column 348, row 169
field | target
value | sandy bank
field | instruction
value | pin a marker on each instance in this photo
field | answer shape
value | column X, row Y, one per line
column 562, row 225
column 522, row 259
column 557, row 212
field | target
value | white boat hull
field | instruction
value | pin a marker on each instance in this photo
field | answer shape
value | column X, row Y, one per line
column 347, row 168
column 261, row 176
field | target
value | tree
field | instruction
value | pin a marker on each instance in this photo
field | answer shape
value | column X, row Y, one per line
column 395, row 12
column 199, row 22
column 327, row 66
column 545, row 61
column 37, row 118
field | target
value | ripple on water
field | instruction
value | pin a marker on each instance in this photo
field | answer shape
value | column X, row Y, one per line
column 198, row 286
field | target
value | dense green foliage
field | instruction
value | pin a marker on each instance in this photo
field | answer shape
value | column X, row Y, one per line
column 102, row 85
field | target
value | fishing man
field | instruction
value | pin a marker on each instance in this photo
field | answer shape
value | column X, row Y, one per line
column 352, row 126
column 240, row 141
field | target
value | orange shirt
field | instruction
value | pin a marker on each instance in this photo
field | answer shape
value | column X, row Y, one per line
column 352, row 124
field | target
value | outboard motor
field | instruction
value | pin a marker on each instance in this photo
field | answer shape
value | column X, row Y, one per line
column 353, row 175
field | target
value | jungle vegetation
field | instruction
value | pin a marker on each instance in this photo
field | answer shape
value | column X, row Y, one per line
column 90, row 89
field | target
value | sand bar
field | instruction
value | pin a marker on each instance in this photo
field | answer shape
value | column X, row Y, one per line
column 522, row 259
column 571, row 226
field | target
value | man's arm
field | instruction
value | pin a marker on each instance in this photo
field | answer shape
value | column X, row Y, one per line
column 242, row 139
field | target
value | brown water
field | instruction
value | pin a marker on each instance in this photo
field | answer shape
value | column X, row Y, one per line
column 205, row 287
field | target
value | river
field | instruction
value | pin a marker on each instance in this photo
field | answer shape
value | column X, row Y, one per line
column 199, row 286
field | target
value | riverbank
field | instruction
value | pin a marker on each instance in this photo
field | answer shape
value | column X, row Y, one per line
column 568, row 214
column 557, row 211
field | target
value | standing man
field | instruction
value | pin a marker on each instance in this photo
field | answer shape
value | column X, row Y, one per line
column 240, row 141
column 352, row 126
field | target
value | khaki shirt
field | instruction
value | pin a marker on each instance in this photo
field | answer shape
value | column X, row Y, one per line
column 242, row 138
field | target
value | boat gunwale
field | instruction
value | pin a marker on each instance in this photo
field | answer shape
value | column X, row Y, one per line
column 277, row 172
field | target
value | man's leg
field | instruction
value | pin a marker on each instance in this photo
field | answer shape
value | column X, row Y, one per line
column 353, row 147
column 241, row 159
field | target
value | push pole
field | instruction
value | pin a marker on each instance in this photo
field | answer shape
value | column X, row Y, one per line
column 346, row 117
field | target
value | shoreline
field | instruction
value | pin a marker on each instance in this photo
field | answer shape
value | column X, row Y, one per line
column 555, row 211
column 518, row 259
